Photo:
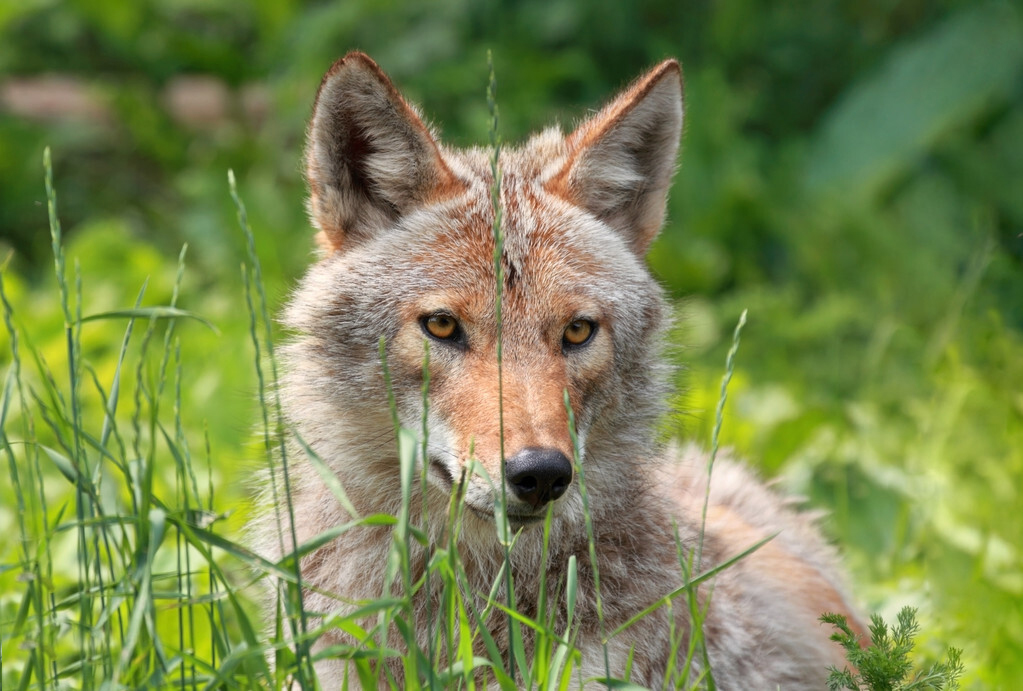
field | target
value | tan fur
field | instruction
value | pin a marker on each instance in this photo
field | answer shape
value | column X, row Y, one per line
column 406, row 233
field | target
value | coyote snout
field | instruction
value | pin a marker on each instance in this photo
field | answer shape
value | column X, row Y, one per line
column 537, row 448
column 408, row 256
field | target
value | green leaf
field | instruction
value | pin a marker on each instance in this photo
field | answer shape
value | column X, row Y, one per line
column 158, row 312
column 879, row 127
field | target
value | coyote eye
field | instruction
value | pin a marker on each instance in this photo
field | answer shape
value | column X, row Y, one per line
column 443, row 327
column 578, row 333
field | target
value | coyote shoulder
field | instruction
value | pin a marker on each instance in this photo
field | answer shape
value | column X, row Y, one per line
column 407, row 255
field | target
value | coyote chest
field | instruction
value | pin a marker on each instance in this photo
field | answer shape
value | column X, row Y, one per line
column 540, row 354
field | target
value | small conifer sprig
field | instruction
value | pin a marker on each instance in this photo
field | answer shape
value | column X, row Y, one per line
column 885, row 664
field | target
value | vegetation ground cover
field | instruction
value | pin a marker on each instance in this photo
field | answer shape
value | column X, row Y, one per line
column 849, row 175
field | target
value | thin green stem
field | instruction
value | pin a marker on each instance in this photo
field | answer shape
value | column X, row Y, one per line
column 304, row 668
column 715, row 438
column 590, row 536
column 504, row 530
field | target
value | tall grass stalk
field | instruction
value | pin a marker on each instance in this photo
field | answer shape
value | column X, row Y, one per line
column 578, row 468
column 719, row 416
column 696, row 611
column 273, row 440
column 515, row 654
column 423, row 490
column 36, row 563
column 82, row 510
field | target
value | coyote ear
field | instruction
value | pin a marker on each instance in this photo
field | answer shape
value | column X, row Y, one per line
column 370, row 159
column 621, row 160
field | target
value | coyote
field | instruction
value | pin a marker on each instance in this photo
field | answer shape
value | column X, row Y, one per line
column 407, row 255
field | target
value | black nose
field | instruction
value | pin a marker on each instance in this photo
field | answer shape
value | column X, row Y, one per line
column 538, row 476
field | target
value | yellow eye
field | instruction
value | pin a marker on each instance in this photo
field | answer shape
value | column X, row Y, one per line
column 442, row 326
column 578, row 332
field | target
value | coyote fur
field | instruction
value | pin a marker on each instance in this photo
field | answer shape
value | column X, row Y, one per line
column 407, row 255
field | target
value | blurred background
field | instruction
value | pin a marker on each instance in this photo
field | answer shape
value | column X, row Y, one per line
column 851, row 172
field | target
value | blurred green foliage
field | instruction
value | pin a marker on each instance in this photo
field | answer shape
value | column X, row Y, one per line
column 852, row 173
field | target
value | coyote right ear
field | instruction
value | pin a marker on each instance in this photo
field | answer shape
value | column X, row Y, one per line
column 621, row 160
column 370, row 158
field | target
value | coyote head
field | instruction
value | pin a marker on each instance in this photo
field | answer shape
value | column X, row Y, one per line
column 406, row 232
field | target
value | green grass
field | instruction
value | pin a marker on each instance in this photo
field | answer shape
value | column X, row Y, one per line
column 881, row 374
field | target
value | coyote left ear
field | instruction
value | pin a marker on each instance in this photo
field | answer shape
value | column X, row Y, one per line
column 620, row 161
